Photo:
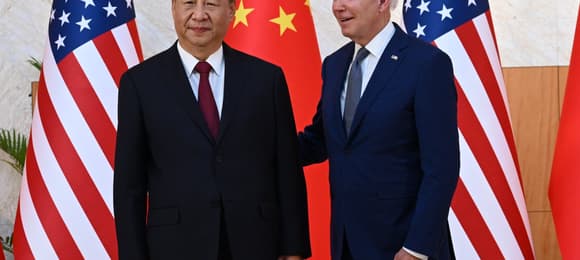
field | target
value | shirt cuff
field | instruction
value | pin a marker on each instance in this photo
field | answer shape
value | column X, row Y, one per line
column 415, row 254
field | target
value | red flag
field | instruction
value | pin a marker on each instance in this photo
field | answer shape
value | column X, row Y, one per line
column 65, row 209
column 282, row 32
column 2, row 255
column 565, row 180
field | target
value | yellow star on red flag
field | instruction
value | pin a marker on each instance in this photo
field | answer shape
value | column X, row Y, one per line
column 285, row 21
column 242, row 14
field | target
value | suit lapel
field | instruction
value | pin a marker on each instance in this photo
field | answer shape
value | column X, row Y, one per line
column 179, row 83
column 388, row 64
column 335, row 87
column 233, row 88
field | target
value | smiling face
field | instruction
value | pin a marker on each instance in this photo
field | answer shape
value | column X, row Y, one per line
column 201, row 25
column 361, row 20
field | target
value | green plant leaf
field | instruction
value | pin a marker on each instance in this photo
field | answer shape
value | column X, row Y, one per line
column 7, row 244
column 14, row 144
column 35, row 63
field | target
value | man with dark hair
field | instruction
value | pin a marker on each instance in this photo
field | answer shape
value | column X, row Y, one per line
column 206, row 134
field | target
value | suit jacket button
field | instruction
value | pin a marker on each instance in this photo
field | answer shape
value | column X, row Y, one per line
column 219, row 159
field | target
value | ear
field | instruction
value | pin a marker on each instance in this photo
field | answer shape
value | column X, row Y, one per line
column 232, row 10
column 173, row 7
column 384, row 5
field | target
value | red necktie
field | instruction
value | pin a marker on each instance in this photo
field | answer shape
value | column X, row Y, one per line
column 206, row 100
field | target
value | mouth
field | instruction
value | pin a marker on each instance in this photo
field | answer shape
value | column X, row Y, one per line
column 198, row 29
column 344, row 19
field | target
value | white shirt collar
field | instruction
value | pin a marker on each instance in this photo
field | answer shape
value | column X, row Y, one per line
column 379, row 43
column 189, row 61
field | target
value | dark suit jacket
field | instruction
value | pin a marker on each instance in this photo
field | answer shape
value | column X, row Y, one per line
column 393, row 178
column 165, row 151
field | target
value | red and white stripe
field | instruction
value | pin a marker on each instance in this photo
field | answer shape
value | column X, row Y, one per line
column 66, row 202
column 488, row 219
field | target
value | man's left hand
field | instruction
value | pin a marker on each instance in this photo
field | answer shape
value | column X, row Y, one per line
column 404, row 255
column 291, row 257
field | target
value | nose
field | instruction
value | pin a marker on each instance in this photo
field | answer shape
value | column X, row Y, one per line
column 337, row 5
column 199, row 13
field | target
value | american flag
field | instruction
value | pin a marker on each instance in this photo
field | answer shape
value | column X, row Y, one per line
column 488, row 217
column 66, row 199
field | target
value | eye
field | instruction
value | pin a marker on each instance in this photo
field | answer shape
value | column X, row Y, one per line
column 210, row 3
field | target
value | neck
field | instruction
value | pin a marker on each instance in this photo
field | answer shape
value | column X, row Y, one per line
column 200, row 52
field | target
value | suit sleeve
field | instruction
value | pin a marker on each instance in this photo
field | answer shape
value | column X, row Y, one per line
column 130, row 181
column 291, row 183
column 436, row 123
column 311, row 142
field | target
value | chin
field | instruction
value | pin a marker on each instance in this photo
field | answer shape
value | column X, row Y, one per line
column 197, row 41
column 346, row 34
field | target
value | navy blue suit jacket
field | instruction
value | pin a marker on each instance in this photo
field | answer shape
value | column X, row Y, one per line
column 393, row 177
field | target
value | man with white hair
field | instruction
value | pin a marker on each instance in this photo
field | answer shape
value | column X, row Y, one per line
column 387, row 123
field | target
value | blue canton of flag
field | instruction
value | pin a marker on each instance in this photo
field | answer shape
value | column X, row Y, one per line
column 428, row 20
column 75, row 22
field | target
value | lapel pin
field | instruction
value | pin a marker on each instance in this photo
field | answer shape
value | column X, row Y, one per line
column 394, row 57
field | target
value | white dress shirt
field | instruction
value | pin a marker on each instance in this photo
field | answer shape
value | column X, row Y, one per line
column 216, row 76
column 376, row 47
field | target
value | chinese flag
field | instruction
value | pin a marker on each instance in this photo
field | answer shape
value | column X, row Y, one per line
column 565, row 180
column 282, row 32
column 2, row 255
